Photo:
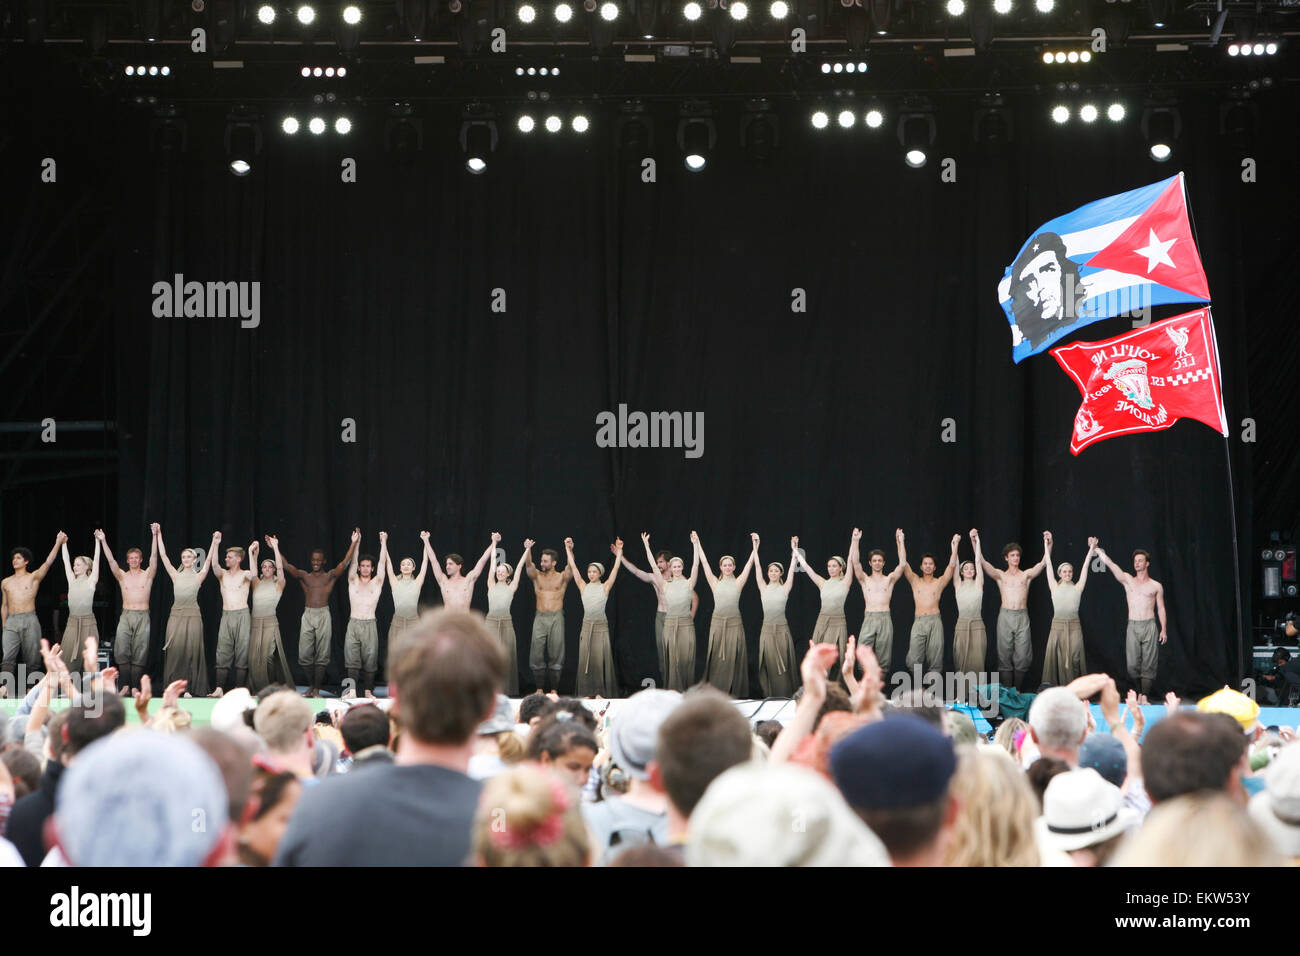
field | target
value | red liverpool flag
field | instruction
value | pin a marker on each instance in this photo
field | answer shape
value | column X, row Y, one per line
column 1145, row 380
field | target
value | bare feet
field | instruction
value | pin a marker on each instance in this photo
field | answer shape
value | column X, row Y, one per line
column 217, row 693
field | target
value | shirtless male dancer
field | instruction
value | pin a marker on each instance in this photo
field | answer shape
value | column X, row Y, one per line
column 361, row 642
column 663, row 560
column 546, row 652
column 877, row 588
column 1146, row 599
column 317, row 629
column 131, row 645
column 457, row 589
column 1015, row 652
column 21, row 628
column 926, row 645
column 236, row 620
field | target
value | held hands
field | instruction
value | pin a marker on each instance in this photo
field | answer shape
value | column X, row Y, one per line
column 618, row 546
column 645, row 536
column 794, row 543
column 1092, row 544
column 753, row 536
column 356, row 535
column 155, row 528
column 496, row 537
column 956, row 540
column 424, row 536
column 568, row 544
column 273, row 541
column 216, row 537
column 857, row 533
column 1047, row 539
column 898, row 535
column 695, row 538
column 59, row 539
column 528, row 544
column 99, row 534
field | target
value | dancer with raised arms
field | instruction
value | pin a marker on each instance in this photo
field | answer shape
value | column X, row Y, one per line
column 184, row 655
column 406, row 587
column 727, row 661
column 830, row 627
column 315, row 635
column 1146, row 600
column 83, row 577
column 267, row 662
column 457, row 588
column 778, row 673
column 361, row 640
column 662, row 560
column 503, row 582
column 1064, row 658
column 131, row 643
column 969, row 636
column 877, row 630
column 236, row 624
column 925, row 646
column 679, row 625
column 596, row 677
column 546, row 650
column 1015, row 647
column 21, row 629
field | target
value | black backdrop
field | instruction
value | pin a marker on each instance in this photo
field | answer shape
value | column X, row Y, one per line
column 674, row 295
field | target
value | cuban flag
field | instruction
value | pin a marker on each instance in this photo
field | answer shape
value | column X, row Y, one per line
column 1110, row 257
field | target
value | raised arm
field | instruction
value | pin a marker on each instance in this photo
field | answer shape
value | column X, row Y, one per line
column 424, row 565
column 353, row 561
column 483, row 560
column 979, row 558
column 573, row 564
column 613, row 571
column 153, row 552
column 385, row 562
column 59, row 539
column 1087, row 560
column 1120, row 574
column 292, row 571
column 855, row 557
column 1037, row 569
column 529, row 568
column 519, row 569
column 67, row 564
column 348, row 558
column 701, row 557
column 108, row 554
column 952, row 563
column 816, row 578
column 982, row 562
column 254, row 551
column 789, row 574
column 656, row 576
column 432, row 557
column 94, row 565
column 749, row 565
column 902, row 555
column 1047, row 558
column 215, row 564
column 695, row 562
column 274, row 542
column 162, row 554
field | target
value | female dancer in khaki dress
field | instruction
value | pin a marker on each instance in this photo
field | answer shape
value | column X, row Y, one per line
column 969, row 637
column 727, row 662
column 830, row 627
column 406, row 591
column 83, row 575
column 501, row 593
column 1064, row 660
column 596, row 676
column 267, row 662
column 778, row 674
column 183, row 654
column 679, row 626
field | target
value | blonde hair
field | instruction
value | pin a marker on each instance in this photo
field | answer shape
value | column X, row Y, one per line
column 528, row 816
column 997, row 809
column 1005, row 735
column 1064, row 564
column 508, row 566
column 843, row 564
column 511, row 747
column 89, row 564
column 171, row 720
column 1199, row 829
column 281, row 719
column 191, row 552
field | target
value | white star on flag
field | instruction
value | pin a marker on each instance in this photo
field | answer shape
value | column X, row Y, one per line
column 1157, row 252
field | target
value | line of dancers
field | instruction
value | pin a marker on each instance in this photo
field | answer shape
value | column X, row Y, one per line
column 250, row 651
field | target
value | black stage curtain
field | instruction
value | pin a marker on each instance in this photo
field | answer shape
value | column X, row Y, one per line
column 376, row 306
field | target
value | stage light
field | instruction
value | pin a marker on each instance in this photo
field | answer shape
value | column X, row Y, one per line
column 478, row 139
column 1270, row 49
column 779, row 9
column 318, row 72
column 316, row 125
column 956, row 8
column 243, row 142
column 1072, row 56
column 820, row 120
column 1002, row 7
column 1258, row 49
column 846, row 119
column 609, row 11
column 915, row 158
column 343, row 126
column 695, row 136
column 916, row 134
column 1088, row 113
column 1048, row 57
column 1160, row 129
column 554, row 124
column 1085, row 56
column 580, row 123
column 1060, row 114
column 341, row 72
column 563, row 12
column 527, row 13
column 1044, row 6
column 874, row 118
column 351, row 15
column 862, row 66
column 838, row 67
column 1059, row 57
column 692, row 11
column 266, row 14
column 240, row 167
column 153, row 71
column 1115, row 112
column 130, row 71
column 526, row 124
column 1233, row 49
column 849, row 68
column 306, row 15
column 738, row 10
column 826, row 67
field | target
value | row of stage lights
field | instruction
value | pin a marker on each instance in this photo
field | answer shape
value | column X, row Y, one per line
column 306, row 14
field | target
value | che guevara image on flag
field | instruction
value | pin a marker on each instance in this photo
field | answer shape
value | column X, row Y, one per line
column 1147, row 379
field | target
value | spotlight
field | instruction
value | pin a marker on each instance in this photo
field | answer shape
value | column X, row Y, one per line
column 1002, row 7
column 130, row 71
column 1270, row 49
column 692, row 11
column 1085, row 56
column 341, row 71
column 779, row 9
column 343, row 126
column 1115, row 112
column 1258, row 49
column 916, row 133
column 351, row 15
column 306, row 15
column 478, row 139
column 956, row 7
column 1060, row 57
column 240, row 167
column 849, row 68
column 289, row 124
column 318, row 72
column 526, row 123
column 609, row 11
column 820, row 120
column 846, row 119
column 696, row 138
column 1072, row 56
column 153, row 71
column 563, row 13
column 527, row 13
column 243, row 142
column 1160, row 128
column 554, row 124
column 1088, row 113
column 862, row 67
column 580, row 123
column 1048, row 58
column 738, row 10
column 1044, row 6
column 266, row 14
column 1060, row 114
column 874, row 118
column 316, row 125
column 1233, row 49
column 826, row 67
